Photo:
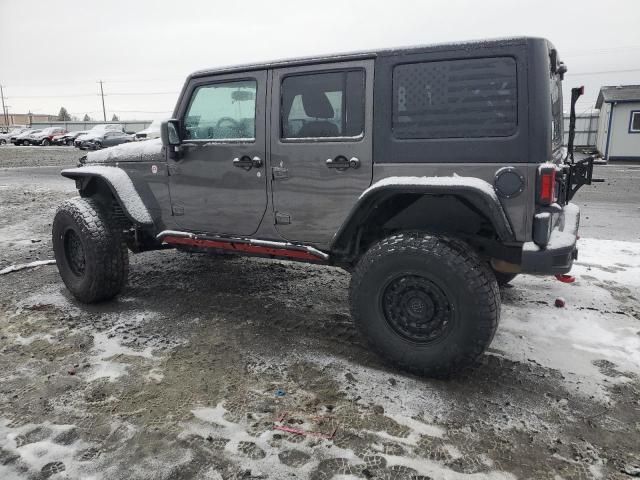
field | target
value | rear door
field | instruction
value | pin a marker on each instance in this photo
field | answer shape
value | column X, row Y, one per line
column 321, row 146
column 218, row 184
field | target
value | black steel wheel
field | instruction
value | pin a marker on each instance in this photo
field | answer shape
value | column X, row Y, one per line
column 429, row 304
column 90, row 250
column 74, row 252
column 417, row 308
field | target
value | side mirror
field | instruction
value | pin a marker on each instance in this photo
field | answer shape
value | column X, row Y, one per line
column 169, row 133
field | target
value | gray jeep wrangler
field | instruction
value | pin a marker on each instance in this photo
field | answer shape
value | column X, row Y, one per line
column 432, row 174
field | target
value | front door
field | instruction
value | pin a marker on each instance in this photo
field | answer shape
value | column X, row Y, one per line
column 321, row 146
column 217, row 183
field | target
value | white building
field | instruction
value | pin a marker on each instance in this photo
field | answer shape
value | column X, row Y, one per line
column 618, row 135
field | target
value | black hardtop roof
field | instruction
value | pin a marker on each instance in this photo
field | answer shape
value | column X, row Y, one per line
column 466, row 45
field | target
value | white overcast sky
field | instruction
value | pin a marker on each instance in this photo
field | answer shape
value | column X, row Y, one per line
column 53, row 53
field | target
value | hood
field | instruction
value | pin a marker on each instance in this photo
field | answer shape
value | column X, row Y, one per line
column 89, row 136
column 149, row 151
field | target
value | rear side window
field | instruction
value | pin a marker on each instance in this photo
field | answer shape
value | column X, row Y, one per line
column 322, row 105
column 455, row 99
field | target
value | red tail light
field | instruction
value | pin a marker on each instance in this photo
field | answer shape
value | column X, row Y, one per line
column 547, row 184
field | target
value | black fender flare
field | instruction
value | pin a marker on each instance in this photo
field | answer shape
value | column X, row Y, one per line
column 475, row 191
column 120, row 185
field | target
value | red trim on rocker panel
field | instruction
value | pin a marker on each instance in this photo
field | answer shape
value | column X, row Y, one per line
column 241, row 248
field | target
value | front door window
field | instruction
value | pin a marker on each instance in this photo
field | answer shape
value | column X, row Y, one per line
column 222, row 111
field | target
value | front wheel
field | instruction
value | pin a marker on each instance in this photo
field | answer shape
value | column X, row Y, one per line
column 429, row 304
column 90, row 250
column 3, row 142
column 46, row 142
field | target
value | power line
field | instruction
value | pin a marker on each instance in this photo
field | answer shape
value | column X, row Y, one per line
column 602, row 72
column 116, row 94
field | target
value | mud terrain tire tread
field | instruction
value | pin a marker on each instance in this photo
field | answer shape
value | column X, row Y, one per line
column 106, row 254
column 472, row 280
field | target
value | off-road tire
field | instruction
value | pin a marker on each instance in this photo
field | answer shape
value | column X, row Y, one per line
column 105, row 264
column 453, row 267
column 504, row 278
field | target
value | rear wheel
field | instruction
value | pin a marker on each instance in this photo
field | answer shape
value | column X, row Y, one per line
column 90, row 250
column 25, row 143
column 3, row 141
column 69, row 143
column 46, row 142
column 428, row 304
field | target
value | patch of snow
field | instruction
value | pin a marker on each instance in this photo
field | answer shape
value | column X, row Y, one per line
column 433, row 469
column 409, row 398
column 131, row 150
column 104, row 363
column 50, row 295
column 211, row 421
column 592, row 326
column 452, row 181
column 123, row 186
column 22, row 266
column 417, row 426
column 36, row 455
column 20, row 340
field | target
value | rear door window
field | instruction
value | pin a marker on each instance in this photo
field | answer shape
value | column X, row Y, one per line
column 455, row 99
column 322, row 105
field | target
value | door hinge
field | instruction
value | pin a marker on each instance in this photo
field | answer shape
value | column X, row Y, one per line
column 177, row 211
column 283, row 218
column 279, row 173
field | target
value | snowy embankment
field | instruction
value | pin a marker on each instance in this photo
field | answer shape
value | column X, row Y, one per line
column 600, row 322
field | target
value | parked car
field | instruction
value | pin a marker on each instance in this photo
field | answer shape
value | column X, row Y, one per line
column 67, row 138
column 24, row 137
column 108, row 138
column 152, row 131
column 45, row 136
column 6, row 137
column 453, row 184
column 96, row 131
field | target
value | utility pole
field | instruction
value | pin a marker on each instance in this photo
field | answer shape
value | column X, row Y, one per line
column 104, row 112
column 4, row 109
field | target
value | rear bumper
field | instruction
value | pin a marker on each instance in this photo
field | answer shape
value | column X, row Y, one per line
column 558, row 256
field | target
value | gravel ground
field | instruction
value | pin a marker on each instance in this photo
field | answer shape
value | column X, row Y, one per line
column 12, row 156
column 194, row 371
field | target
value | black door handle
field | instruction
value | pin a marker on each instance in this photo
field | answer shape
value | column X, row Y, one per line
column 247, row 162
column 342, row 163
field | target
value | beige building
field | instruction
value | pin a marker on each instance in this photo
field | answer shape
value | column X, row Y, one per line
column 25, row 118
column 618, row 136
